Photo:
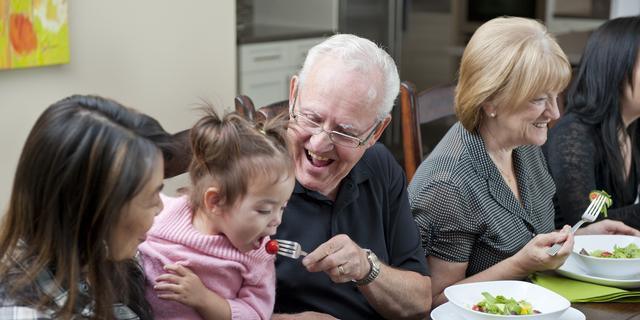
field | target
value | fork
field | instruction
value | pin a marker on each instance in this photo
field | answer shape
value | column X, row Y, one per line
column 589, row 215
column 290, row 249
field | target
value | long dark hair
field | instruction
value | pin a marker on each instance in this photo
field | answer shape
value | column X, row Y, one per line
column 81, row 164
column 606, row 68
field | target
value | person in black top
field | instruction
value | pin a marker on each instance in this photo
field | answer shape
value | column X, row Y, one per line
column 349, row 207
column 595, row 144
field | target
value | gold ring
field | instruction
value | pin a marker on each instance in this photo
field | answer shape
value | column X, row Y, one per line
column 341, row 270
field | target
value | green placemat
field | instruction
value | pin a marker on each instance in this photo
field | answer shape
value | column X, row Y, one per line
column 578, row 291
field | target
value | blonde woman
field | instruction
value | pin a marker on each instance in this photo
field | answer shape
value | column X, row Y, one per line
column 483, row 199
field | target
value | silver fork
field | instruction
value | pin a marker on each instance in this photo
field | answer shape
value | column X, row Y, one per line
column 589, row 215
column 290, row 249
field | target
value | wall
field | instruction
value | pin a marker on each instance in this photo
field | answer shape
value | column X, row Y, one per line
column 160, row 57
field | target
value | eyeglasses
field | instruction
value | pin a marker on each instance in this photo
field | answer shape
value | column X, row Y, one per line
column 336, row 137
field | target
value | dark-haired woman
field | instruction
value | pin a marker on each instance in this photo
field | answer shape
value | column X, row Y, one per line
column 85, row 193
column 595, row 144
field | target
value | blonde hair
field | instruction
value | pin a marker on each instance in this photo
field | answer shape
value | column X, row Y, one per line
column 508, row 61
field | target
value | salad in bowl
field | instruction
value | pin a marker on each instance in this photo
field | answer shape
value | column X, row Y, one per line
column 503, row 306
column 608, row 256
column 506, row 300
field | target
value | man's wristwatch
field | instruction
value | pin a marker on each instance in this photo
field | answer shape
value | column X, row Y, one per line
column 373, row 272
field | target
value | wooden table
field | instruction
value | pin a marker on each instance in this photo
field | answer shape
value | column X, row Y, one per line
column 609, row 311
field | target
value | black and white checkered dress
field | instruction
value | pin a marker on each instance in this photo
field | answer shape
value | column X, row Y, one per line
column 465, row 210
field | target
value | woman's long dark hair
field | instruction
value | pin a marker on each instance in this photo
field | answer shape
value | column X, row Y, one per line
column 83, row 161
column 606, row 68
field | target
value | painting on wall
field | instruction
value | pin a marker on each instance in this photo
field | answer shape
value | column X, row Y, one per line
column 33, row 33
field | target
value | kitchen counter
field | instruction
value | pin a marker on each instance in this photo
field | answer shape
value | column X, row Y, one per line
column 265, row 33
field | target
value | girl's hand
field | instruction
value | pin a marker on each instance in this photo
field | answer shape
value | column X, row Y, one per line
column 182, row 285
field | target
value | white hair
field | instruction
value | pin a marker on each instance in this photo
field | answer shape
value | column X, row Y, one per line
column 361, row 55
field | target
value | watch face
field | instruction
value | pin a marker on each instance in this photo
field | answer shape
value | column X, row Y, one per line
column 373, row 259
column 373, row 272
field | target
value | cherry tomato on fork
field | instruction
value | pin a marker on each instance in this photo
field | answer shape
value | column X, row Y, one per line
column 271, row 246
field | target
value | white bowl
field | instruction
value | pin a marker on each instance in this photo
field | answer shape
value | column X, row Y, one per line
column 550, row 304
column 606, row 267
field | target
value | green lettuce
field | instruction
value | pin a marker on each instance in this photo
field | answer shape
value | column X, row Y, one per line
column 503, row 306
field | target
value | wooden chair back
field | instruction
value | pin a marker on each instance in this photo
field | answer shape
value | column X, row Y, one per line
column 271, row 110
column 244, row 107
column 425, row 118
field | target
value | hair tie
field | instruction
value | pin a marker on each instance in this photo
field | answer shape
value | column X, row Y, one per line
column 262, row 131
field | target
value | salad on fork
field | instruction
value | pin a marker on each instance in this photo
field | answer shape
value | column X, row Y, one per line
column 600, row 201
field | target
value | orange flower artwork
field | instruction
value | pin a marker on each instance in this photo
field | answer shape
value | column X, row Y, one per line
column 23, row 38
column 33, row 33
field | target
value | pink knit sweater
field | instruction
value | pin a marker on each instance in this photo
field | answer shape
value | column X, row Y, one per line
column 246, row 280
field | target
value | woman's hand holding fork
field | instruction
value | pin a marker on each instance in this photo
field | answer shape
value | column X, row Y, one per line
column 533, row 257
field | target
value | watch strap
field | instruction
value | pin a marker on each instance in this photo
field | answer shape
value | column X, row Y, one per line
column 373, row 272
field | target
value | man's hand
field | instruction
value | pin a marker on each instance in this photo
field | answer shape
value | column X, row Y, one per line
column 340, row 258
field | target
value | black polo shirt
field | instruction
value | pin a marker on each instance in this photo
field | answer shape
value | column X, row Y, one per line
column 372, row 208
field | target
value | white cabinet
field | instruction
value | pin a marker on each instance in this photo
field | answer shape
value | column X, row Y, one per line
column 267, row 86
column 266, row 68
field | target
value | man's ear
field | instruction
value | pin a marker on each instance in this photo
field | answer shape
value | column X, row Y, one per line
column 212, row 200
column 379, row 130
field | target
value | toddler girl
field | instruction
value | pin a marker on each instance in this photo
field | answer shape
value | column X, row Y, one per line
column 204, row 255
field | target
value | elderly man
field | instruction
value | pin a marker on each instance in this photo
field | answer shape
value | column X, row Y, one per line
column 350, row 207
